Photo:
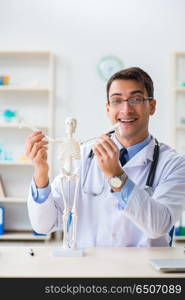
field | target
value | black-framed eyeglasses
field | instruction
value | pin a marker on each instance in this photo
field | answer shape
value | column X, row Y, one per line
column 131, row 101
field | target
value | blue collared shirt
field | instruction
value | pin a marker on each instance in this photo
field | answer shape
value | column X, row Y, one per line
column 41, row 194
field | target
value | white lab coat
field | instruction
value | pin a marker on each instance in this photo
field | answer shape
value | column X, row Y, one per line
column 145, row 221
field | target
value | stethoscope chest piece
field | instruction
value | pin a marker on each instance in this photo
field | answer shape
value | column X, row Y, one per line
column 149, row 190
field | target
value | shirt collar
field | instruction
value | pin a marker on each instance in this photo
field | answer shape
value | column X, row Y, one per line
column 133, row 150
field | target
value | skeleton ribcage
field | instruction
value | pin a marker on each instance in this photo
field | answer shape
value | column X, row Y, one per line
column 70, row 149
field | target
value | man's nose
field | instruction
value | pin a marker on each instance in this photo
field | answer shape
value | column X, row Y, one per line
column 126, row 107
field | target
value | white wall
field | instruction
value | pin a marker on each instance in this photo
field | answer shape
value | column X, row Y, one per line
column 142, row 33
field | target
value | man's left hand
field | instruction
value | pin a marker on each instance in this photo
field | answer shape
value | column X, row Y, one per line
column 107, row 154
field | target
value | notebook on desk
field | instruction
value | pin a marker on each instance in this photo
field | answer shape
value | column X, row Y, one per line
column 168, row 264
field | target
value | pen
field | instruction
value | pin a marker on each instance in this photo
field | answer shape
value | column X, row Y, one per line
column 31, row 252
column 91, row 154
column 107, row 133
column 110, row 132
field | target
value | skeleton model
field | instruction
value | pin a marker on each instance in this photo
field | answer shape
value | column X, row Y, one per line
column 69, row 154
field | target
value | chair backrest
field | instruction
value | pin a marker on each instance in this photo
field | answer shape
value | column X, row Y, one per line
column 171, row 236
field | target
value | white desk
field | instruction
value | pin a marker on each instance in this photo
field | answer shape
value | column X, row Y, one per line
column 97, row 262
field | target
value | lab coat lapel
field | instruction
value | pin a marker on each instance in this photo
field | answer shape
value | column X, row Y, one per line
column 141, row 158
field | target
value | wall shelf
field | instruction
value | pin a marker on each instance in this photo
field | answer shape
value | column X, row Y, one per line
column 16, row 163
column 16, row 126
column 24, row 52
column 31, row 94
column 24, row 235
column 13, row 199
column 180, row 90
column 179, row 102
column 179, row 238
column 23, row 89
column 178, row 106
column 180, row 127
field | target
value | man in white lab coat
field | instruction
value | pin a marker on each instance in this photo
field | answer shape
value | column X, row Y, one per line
column 115, row 208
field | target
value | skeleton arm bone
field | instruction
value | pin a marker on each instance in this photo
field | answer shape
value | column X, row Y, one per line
column 26, row 125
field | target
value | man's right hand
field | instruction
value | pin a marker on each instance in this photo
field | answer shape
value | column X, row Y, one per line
column 36, row 150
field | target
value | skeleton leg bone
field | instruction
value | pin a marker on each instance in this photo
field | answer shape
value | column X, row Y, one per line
column 65, row 217
column 74, row 215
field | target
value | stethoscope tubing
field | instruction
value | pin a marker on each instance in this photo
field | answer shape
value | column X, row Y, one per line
column 150, row 178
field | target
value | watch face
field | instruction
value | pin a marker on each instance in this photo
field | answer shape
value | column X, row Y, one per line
column 108, row 66
column 115, row 182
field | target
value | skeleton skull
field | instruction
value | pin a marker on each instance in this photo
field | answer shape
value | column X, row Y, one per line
column 70, row 125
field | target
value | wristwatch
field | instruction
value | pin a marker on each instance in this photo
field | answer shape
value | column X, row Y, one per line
column 117, row 181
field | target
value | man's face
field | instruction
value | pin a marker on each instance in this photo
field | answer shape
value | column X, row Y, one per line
column 133, row 119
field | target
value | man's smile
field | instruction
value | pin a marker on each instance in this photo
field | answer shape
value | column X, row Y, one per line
column 127, row 121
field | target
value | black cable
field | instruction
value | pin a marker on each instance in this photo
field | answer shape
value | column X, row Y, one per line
column 151, row 175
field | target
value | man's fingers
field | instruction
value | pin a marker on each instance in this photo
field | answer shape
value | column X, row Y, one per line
column 32, row 139
column 96, row 151
column 36, row 132
column 41, row 154
column 106, row 146
column 102, row 150
column 106, row 138
column 37, row 147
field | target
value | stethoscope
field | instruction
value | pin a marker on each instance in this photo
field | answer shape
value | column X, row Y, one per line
column 149, row 181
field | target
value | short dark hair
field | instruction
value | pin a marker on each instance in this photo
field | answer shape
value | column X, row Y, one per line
column 133, row 73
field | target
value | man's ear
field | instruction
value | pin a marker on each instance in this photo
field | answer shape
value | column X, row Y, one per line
column 152, row 106
column 107, row 108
